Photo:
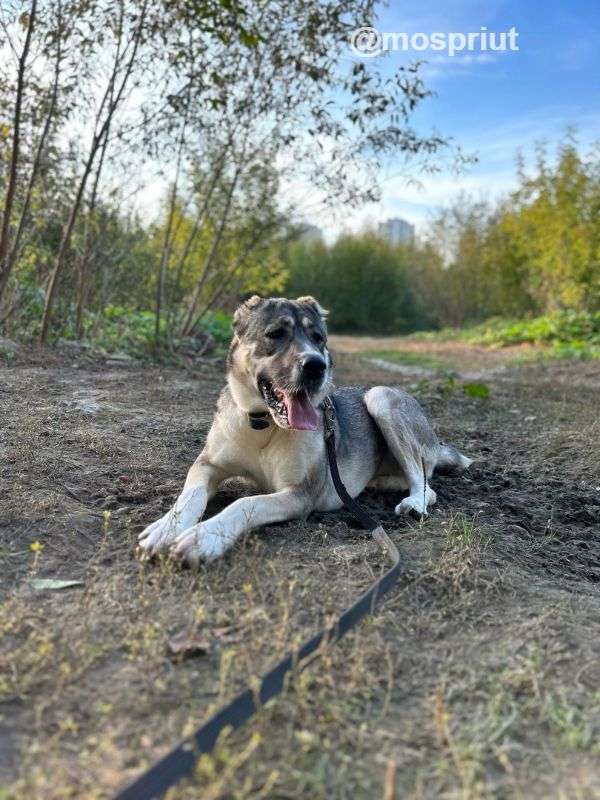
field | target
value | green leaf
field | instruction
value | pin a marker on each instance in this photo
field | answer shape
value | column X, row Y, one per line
column 248, row 39
column 39, row 584
column 476, row 390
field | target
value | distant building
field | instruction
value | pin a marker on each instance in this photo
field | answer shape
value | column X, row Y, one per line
column 396, row 231
column 311, row 234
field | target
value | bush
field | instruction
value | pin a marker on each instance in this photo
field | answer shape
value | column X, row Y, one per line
column 120, row 328
column 218, row 325
column 562, row 327
column 132, row 331
column 566, row 334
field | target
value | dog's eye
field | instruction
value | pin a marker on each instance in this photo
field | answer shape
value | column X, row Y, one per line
column 277, row 333
column 318, row 338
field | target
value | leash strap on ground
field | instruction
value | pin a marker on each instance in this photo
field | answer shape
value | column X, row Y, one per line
column 180, row 762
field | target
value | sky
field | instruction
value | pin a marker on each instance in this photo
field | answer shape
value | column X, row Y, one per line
column 492, row 104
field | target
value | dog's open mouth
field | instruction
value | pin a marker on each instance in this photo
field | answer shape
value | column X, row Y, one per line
column 290, row 410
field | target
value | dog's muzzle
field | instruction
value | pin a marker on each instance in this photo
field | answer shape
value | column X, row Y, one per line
column 290, row 408
column 312, row 370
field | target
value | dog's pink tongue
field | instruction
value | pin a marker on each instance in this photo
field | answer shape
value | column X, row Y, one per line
column 302, row 415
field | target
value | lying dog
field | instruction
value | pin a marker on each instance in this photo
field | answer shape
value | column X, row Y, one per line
column 269, row 428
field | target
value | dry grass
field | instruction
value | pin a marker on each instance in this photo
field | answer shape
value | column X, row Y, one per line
column 478, row 678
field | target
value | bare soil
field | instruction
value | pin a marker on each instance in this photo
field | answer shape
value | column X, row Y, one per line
column 479, row 677
column 455, row 354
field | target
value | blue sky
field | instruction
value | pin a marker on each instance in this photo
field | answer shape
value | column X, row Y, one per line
column 493, row 104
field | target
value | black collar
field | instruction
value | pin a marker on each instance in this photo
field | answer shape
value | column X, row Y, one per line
column 258, row 420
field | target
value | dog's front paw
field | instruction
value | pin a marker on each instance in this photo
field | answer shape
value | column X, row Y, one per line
column 203, row 542
column 160, row 534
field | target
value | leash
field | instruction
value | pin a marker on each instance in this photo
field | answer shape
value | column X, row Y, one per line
column 181, row 761
column 367, row 520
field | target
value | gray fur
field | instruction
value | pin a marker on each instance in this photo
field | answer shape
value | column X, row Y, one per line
column 382, row 434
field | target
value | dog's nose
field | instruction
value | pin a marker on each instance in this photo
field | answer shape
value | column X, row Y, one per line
column 313, row 368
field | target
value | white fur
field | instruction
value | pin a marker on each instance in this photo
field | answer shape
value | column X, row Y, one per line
column 187, row 510
column 244, row 397
column 417, row 503
column 209, row 540
column 278, row 461
column 289, row 466
column 275, row 459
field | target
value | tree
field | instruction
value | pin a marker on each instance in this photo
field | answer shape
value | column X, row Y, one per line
column 28, row 21
column 367, row 284
column 130, row 31
column 232, row 100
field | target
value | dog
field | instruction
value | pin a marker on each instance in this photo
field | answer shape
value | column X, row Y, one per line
column 269, row 428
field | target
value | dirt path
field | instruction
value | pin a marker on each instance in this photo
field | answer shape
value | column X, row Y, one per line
column 479, row 678
column 454, row 354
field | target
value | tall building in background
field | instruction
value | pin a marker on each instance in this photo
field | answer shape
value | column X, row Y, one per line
column 396, row 231
column 311, row 234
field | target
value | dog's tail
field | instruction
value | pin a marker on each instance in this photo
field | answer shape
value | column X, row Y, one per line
column 451, row 460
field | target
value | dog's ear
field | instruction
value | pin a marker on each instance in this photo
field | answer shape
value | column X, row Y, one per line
column 240, row 318
column 312, row 303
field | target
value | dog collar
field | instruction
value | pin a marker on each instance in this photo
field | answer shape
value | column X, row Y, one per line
column 258, row 420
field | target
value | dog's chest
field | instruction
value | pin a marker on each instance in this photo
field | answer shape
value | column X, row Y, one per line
column 278, row 459
column 292, row 457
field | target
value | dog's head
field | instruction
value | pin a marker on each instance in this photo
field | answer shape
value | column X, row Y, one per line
column 279, row 361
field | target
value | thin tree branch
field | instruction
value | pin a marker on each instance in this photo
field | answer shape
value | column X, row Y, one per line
column 96, row 141
column 14, row 159
column 14, row 252
column 187, row 323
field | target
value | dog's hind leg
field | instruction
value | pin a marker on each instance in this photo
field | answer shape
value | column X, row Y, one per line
column 388, row 483
column 411, row 441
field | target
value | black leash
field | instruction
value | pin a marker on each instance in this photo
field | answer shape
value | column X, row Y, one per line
column 181, row 761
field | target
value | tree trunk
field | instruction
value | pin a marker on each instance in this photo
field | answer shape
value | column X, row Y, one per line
column 96, row 141
column 14, row 158
column 86, row 244
column 167, row 243
column 14, row 251
column 198, row 222
column 229, row 275
column 64, row 246
column 187, row 325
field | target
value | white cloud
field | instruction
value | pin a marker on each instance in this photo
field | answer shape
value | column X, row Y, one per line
column 493, row 177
